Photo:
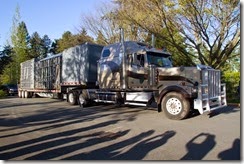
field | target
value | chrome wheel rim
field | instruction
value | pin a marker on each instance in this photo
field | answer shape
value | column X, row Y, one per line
column 174, row 106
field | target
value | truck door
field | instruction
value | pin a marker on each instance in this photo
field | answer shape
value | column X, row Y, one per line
column 137, row 72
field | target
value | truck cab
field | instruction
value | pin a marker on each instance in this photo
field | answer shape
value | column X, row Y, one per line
column 139, row 74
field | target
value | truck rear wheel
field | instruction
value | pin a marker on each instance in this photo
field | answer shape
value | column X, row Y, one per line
column 175, row 106
column 72, row 98
column 82, row 100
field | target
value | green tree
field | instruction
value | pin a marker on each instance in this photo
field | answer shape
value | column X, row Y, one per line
column 5, row 57
column 82, row 37
column 46, row 43
column 69, row 40
column 36, row 48
column 53, row 48
column 39, row 47
column 20, row 50
column 101, row 39
column 9, row 74
column 65, row 42
column 20, row 41
column 206, row 31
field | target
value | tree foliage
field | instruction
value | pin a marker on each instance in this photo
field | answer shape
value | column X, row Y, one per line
column 36, row 48
column 206, row 31
column 23, row 47
column 232, row 81
column 5, row 57
column 39, row 47
column 101, row 24
column 20, row 52
column 69, row 40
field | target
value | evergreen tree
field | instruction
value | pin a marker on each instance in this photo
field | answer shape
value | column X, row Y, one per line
column 69, row 40
column 20, row 50
column 5, row 57
column 20, row 41
column 39, row 47
column 36, row 49
column 53, row 48
column 82, row 37
column 65, row 42
column 46, row 44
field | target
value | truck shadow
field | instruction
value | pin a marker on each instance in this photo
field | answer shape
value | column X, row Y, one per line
column 9, row 104
column 214, row 113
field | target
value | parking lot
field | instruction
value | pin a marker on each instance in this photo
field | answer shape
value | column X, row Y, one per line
column 50, row 129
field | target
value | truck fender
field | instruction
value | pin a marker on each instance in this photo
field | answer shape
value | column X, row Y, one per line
column 170, row 89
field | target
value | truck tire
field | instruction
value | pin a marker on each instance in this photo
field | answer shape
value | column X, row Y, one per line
column 72, row 98
column 175, row 106
column 83, row 100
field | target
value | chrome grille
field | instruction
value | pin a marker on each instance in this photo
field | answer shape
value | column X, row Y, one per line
column 211, row 79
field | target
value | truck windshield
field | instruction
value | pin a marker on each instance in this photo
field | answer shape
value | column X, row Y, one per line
column 159, row 60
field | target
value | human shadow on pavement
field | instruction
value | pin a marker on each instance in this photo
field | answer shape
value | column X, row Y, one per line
column 47, row 141
column 137, row 151
column 199, row 146
column 233, row 153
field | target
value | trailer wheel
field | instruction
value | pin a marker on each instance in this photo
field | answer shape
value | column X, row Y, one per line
column 27, row 94
column 20, row 94
column 175, row 106
column 72, row 98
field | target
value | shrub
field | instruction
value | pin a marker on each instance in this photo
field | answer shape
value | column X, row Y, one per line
column 232, row 80
column 2, row 94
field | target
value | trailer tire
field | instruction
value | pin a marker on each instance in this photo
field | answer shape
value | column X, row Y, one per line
column 27, row 94
column 72, row 98
column 20, row 94
column 175, row 106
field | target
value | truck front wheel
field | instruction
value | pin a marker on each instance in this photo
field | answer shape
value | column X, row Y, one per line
column 175, row 106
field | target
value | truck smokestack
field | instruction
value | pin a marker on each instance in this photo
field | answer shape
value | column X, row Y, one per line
column 123, row 77
column 153, row 41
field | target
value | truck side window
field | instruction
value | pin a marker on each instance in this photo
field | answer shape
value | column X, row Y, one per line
column 130, row 58
column 140, row 58
column 105, row 53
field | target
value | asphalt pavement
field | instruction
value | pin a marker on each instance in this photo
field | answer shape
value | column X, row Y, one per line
column 50, row 129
